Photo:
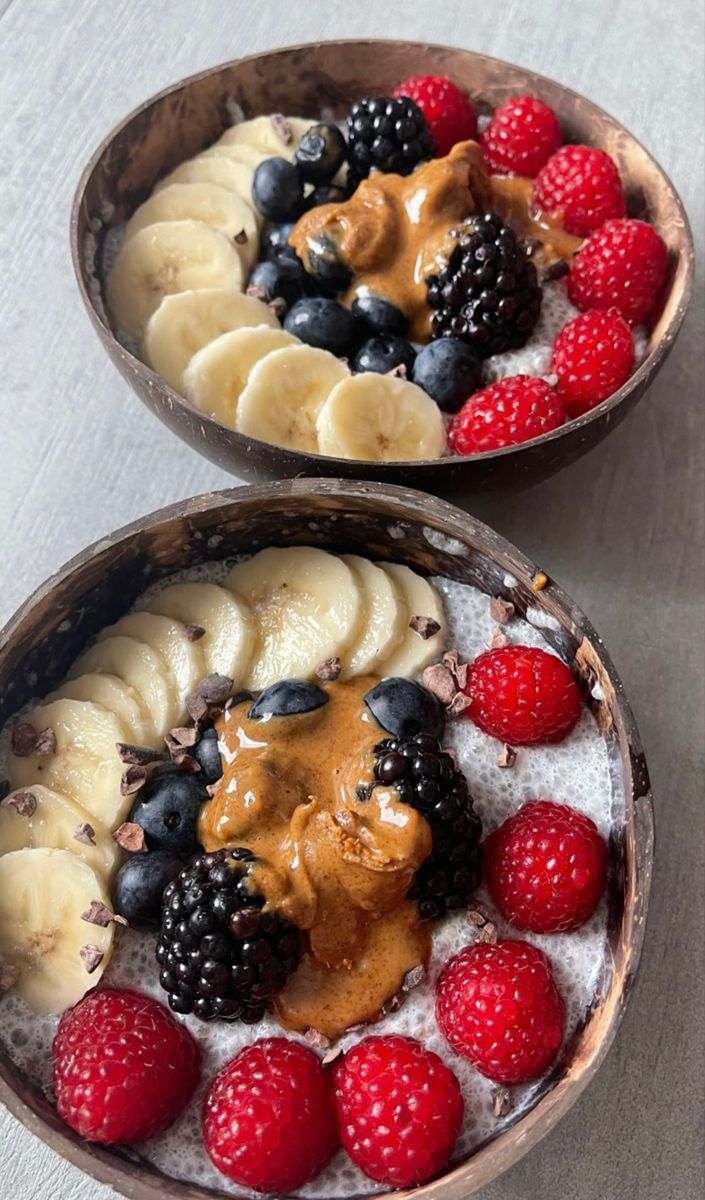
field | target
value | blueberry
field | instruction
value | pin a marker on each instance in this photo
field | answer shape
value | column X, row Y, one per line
column 323, row 323
column 287, row 699
column 326, row 265
column 285, row 278
column 380, row 314
column 384, row 352
column 140, row 883
column 207, row 755
column 167, row 808
column 278, row 190
column 328, row 193
column 404, row 708
column 275, row 242
column 320, row 154
column 449, row 370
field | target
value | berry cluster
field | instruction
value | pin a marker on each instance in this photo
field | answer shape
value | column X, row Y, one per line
column 485, row 296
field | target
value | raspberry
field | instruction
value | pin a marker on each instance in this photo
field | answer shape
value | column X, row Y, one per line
column 123, row 1067
column 593, row 356
column 499, row 1007
column 514, row 410
column 581, row 186
column 399, row 1109
column 449, row 114
column 268, row 1117
column 522, row 135
column 546, row 867
column 522, row 695
column 623, row 266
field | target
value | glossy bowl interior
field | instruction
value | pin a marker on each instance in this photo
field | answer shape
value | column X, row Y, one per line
column 183, row 119
column 43, row 637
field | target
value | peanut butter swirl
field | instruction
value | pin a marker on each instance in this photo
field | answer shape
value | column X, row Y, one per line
column 337, row 852
column 396, row 230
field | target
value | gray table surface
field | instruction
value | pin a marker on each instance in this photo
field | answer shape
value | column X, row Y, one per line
column 622, row 530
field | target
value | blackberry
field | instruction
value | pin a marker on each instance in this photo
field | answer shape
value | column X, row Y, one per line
column 221, row 956
column 426, row 777
column 389, row 135
column 488, row 293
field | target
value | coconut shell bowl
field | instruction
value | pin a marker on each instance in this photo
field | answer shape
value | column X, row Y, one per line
column 101, row 583
column 184, row 119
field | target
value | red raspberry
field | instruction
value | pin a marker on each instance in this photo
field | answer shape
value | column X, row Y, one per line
column 514, row 410
column 399, row 1109
column 522, row 135
column 449, row 114
column 580, row 186
column 546, row 867
column 268, row 1117
column 593, row 356
column 522, row 695
column 123, row 1067
column 498, row 1006
column 623, row 266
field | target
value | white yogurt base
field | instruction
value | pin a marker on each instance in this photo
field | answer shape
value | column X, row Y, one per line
column 578, row 771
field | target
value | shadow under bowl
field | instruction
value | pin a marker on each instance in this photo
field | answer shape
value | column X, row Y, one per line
column 182, row 120
column 100, row 584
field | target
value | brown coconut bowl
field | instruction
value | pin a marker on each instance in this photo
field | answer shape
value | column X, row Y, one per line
column 183, row 119
column 97, row 586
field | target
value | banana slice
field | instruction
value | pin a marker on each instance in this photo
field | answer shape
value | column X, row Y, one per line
column 42, row 896
column 384, row 618
column 169, row 257
column 85, row 766
column 239, row 153
column 54, row 824
column 217, row 375
column 263, row 134
column 207, row 202
column 307, row 607
column 115, row 695
column 184, row 659
column 145, row 670
column 229, row 640
column 285, row 394
column 219, row 169
column 380, row 418
column 420, row 599
column 185, row 323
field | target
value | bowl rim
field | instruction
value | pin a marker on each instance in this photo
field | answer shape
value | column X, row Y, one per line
column 132, row 1176
column 649, row 365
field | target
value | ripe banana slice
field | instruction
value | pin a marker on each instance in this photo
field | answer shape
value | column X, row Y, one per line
column 239, row 153
column 115, row 695
column 263, row 133
column 85, row 765
column 54, row 824
column 229, row 640
column 219, row 169
column 169, row 257
column 285, row 394
column 217, row 375
column 380, row 418
column 145, row 670
column 307, row 607
column 384, row 618
column 42, row 896
column 185, row 323
column 420, row 599
column 215, row 206
column 184, row 658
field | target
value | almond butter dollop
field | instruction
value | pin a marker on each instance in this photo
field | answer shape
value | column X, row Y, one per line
column 396, row 230
column 336, row 856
